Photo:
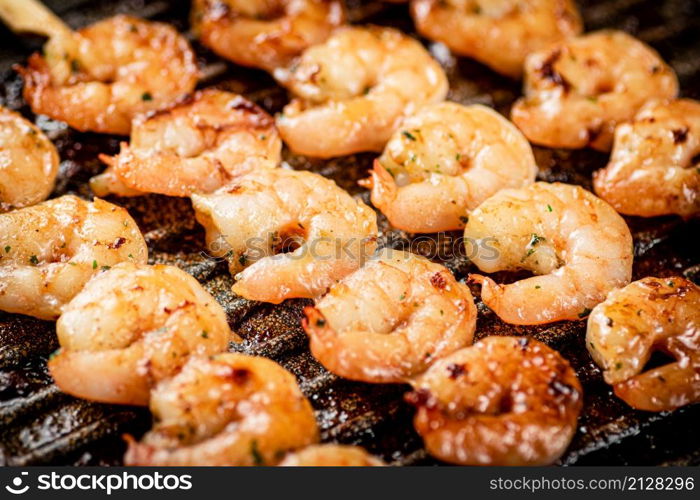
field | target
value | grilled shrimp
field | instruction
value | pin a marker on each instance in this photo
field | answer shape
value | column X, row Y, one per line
column 390, row 319
column 353, row 91
column 652, row 314
column 579, row 247
column 503, row 401
column 498, row 33
column 443, row 162
column 331, row 455
column 196, row 146
column 578, row 91
column 295, row 233
column 228, row 409
column 28, row 162
column 264, row 34
column 100, row 77
column 50, row 250
column 131, row 327
column 654, row 168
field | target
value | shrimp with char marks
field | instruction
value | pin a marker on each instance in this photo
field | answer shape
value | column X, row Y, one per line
column 331, row 455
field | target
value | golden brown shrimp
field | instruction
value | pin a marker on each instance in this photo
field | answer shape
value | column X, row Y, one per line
column 131, row 327
column 286, row 233
column 352, row 91
column 578, row 91
column 390, row 319
column 653, row 169
column 331, row 455
column 652, row 314
column 503, row 401
column 264, row 34
column 497, row 33
column 196, row 146
column 28, row 162
column 443, row 162
column 50, row 250
column 228, row 409
column 579, row 247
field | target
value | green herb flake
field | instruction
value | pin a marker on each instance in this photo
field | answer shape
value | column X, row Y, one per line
column 33, row 260
column 584, row 313
column 618, row 365
column 408, row 135
column 255, row 453
column 320, row 322
column 670, row 283
column 94, row 264
column 549, row 208
column 403, row 296
column 106, row 268
column 537, row 287
column 146, row 96
column 8, row 248
column 204, row 334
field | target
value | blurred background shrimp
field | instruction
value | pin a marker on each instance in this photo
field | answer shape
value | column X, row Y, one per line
column 331, row 455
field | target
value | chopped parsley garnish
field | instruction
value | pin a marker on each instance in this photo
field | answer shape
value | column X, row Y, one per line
column 408, row 135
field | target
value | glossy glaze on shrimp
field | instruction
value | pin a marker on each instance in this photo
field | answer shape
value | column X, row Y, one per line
column 131, row 327
column 503, row 401
column 652, row 314
column 331, row 455
column 654, row 168
column 100, row 77
column 578, row 91
column 50, row 250
column 286, row 233
column 390, row 319
column 228, row 409
column 499, row 34
column 264, row 34
column 352, row 91
column 196, row 146
column 443, row 162
column 577, row 246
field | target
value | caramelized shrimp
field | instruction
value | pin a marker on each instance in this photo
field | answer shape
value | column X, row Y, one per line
column 131, row 327
column 352, row 91
column 652, row 314
column 331, row 455
column 264, row 34
column 390, row 319
column 579, row 247
column 286, row 233
column 28, row 162
column 578, row 91
column 195, row 146
column 654, row 168
column 50, row 250
column 443, row 162
column 228, row 409
column 499, row 34
column 503, row 401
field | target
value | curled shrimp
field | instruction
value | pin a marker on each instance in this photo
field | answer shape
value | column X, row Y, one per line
column 228, row 409
column 390, row 319
column 503, row 401
column 195, row 146
column 499, row 34
column 286, row 233
column 443, row 162
column 575, row 243
column 28, row 162
column 578, row 91
column 267, row 34
column 132, row 326
column 352, row 91
column 100, row 77
column 652, row 314
column 50, row 250
column 653, row 168
column 331, row 455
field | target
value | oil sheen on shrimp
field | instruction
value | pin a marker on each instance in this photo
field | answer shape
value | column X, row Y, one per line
column 652, row 314
column 654, row 168
column 497, row 33
column 578, row 91
column 50, row 250
column 109, row 72
column 195, row 146
column 503, row 401
column 264, row 34
column 286, row 233
column 389, row 320
column 352, row 91
column 28, row 162
column 331, row 455
column 578, row 247
column 132, row 326
column 228, row 409
column 443, row 162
